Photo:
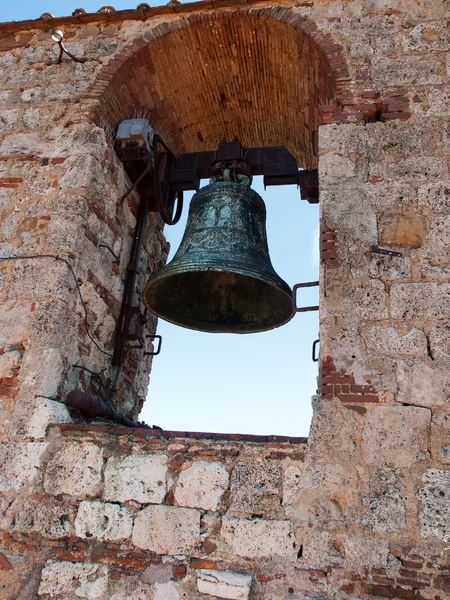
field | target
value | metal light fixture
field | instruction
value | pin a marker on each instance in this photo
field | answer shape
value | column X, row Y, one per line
column 58, row 36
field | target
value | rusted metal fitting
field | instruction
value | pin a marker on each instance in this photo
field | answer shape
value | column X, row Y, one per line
column 92, row 406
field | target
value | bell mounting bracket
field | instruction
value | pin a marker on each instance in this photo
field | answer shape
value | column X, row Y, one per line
column 162, row 178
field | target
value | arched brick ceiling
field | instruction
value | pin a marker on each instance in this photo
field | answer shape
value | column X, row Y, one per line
column 226, row 74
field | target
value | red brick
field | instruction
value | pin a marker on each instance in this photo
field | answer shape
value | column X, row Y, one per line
column 370, row 94
column 179, row 571
column 355, row 398
column 5, row 565
column 397, row 107
column 203, row 563
column 391, row 116
column 7, row 391
column 359, row 409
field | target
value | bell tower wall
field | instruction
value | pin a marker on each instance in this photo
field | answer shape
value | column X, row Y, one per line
column 360, row 508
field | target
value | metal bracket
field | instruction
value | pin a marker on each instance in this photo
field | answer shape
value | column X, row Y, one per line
column 294, row 296
column 385, row 252
column 158, row 350
column 315, row 357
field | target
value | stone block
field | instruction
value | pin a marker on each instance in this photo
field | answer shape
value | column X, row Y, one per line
column 157, row 574
column 401, row 139
column 436, row 246
column 167, row 591
column 404, row 69
column 224, row 584
column 74, row 580
column 412, row 170
column 109, row 522
column 41, row 373
column 386, row 502
column 32, row 416
column 336, row 167
column 46, row 519
column 19, row 143
column 405, row 229
column 31, row 94
column 9, row 363
column 256, row 491
column 388, row 342
column 20, row 464
column 440, row 340
column 14, row 323
column 258, row 538
column 426, row 37
column 396, row 436
column 422, row 384
column 139, row 477
column 372, row 553
column 439, row 103
column 345, row 140
column 167, row 530
column 322, row 491
column 8, row 118
column 75, row 470
column 202, row 485
column 367, row 299
column 419, row 300
column 435, row 196
column 434, row 516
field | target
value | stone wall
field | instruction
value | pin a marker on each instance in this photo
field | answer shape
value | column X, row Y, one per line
column 358, row 511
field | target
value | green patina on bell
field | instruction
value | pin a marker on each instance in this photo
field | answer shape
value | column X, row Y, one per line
column 221, row 278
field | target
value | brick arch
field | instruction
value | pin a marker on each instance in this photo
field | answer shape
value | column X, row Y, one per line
column 263, row 75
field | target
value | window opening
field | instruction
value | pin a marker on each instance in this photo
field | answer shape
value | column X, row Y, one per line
column 258, row 383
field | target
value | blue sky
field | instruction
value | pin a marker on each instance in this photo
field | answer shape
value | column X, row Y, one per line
column 259, row 383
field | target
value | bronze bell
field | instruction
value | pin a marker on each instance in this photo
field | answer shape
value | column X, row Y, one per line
column 221, row 278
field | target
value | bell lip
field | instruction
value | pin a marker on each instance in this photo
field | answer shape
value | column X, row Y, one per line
column 284, row 290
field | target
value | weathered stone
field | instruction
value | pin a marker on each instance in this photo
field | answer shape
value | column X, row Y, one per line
column 255, row 491
column 440, row 340
column 333, row 166
column 75, row 470
column 388, row 342
column 421, row 384
column 47, row 520
column 167, row 530
column 436, row 244
column 396, row 436
column 402, row 229
column 419, row 300
column 32, row 416
column 317, row 490
column 372, row 553
column 259, row 538
column 66, row 580
column 141, row 478
column 20, row 464
column 102, row 521
column 42, row 372
column 404, row 69
column 224, row 584
column 435, row 196
column 9, row 363
column 157, row 574
column 202, row 485
column 386, row 502
column 434, row 516
column 367, row 299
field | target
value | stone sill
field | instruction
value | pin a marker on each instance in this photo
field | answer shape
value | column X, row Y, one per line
column 68, row 428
